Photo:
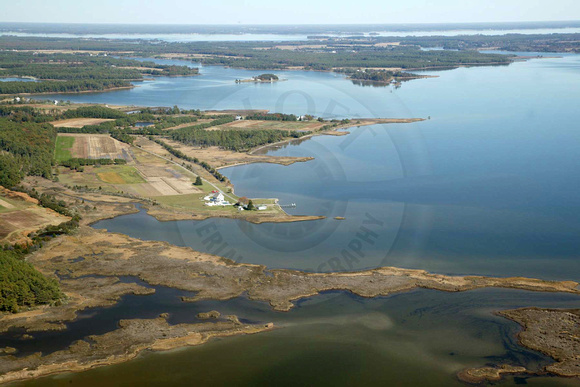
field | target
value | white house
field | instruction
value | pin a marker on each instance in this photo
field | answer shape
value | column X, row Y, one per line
column 216, row 198
column 262, row 208
column 239, row 118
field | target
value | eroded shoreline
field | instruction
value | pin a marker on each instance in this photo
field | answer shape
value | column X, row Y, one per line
column 123, row 344
column 553, row 332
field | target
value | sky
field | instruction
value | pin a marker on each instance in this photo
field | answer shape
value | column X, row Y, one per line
column 286, row 12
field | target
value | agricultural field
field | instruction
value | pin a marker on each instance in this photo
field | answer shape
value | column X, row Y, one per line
column 63, row 149
column 220, row 158
column 120, row 174
column 90, row 146
column 151, row 172
column 5, row 206
column 307, row 126
column 79, row 122
column 146, row 176
column 20, row 215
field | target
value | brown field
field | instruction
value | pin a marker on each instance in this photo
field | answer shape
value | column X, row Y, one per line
column 276, row 125
column 22, row 216
column 79, row 122
column 386, row 44
column 185, row 125
column 138, row 68
column 219, row 158
column 5, row 204
column 294, row 48
column 98, row 146
column 163, row 180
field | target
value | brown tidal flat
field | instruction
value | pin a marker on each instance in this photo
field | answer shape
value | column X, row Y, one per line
column 554, row 332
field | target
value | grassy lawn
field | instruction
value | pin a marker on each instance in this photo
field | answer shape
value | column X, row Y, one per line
column 190, row 201
column 63, row 147
column 8, row 205
column 196, row 202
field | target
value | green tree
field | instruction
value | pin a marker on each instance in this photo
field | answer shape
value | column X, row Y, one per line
column 198, row 181
column 251, row 206
column 22, row 285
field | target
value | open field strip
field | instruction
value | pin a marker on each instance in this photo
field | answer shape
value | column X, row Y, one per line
column 79, row 122
column 91, row 146
column 63, row 148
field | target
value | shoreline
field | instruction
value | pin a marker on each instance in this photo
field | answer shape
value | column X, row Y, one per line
column 113, row 255
column 72, row 92
column 397, row 81
column 132, row 338
column 334, row 131
column 552, row 332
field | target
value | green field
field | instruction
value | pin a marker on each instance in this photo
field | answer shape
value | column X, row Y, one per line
column 190, row 201
column 119, row 174
column 8, row 205
column 63, row 147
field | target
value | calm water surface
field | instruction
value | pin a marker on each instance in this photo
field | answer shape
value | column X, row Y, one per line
column 487, row 185
column 418, row 338
column 196, row 37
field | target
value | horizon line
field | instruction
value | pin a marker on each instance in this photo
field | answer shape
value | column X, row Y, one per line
column 297, row 24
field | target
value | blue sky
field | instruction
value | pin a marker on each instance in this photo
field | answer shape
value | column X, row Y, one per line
column 288, row 12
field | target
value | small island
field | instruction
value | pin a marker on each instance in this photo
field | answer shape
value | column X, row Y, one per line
column 262, row 78
column 384, row 77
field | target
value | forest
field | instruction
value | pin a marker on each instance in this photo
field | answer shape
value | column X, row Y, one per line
column 383, row 76
column 353, row 52
column 26, row 148
column 236, row 140
column 76, row 72
column 272, row 117
column 21, row 285
column 346, row 53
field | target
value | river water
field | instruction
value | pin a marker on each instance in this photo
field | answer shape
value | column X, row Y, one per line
column 487, row 185
column 281, row 37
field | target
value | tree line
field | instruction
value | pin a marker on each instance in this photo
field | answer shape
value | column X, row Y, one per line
column 77, row 72
column 79, row 163
column 62, row 86
column 272, row 117
column 231, row 139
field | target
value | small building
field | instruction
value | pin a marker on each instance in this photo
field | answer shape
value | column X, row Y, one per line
column 262, row 208
column 243, row 202
column 239, row 118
